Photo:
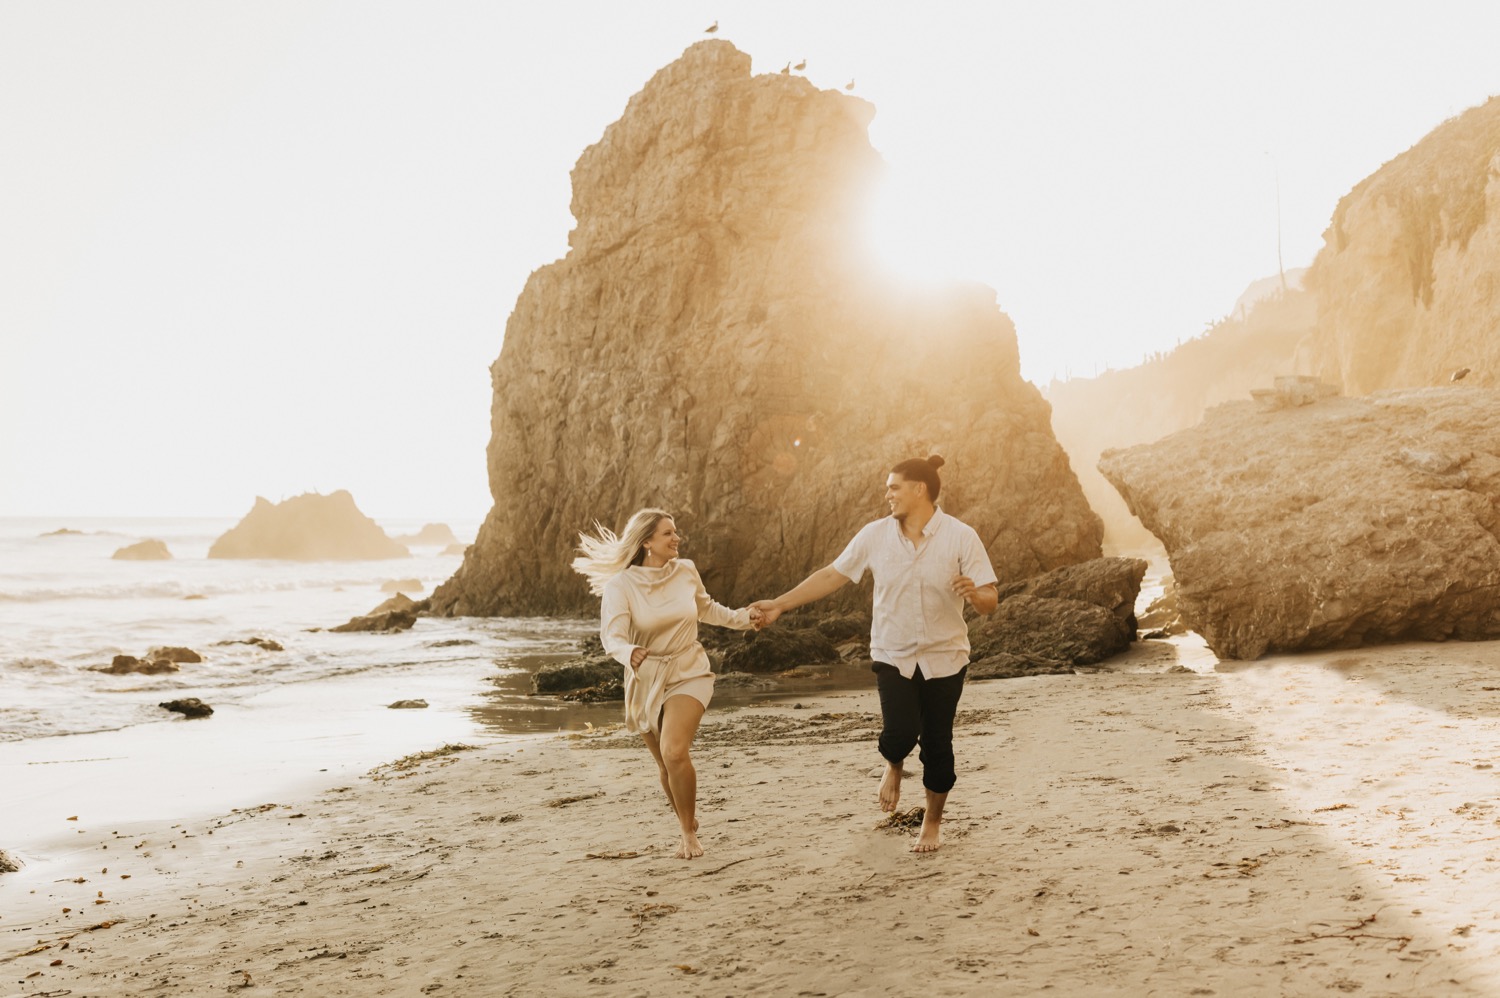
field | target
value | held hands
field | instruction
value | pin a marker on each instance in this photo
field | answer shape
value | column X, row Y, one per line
column 763, row 614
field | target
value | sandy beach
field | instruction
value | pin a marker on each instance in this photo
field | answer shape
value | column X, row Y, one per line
column 1300, row 825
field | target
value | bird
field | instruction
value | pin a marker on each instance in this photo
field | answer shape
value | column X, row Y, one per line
column 800, row 66
column 1458, row 374
column 849, row 85
column 786, row 70
column 711, row 28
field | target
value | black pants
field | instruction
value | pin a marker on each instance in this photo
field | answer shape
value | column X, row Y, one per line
column 920, row 711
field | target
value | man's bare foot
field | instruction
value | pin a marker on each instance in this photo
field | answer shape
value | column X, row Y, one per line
column 890, row 788
column 690, row 848
column 930, row 839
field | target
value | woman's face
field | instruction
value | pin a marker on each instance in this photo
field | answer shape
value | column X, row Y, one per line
column 663, row 544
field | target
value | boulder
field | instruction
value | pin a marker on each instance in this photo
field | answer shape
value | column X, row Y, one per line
column 309, row 527
column 8, row 864
column 127, row 664
column 719, row 257
column 1004, row 665
column 610, row 689
column 1062, row 630
column 407, row 705
column 575, row 674
column 402, row 586
column 399, row 613
column 1113, row 583
column 147, row 550
column 175, row 654
column 1343, row 522
column 188, row 707
column 778, row 648
column 1161, row 618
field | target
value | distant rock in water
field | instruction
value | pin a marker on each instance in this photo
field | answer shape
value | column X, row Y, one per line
column 399, row 613
column 175, row 654
column 148, row 550
column 129, row 664
column 1342, row 522
column 407, row 705
column 62, row 532
column 309, row 527
column 7, row 863
column 1407, row 276
column 402, row 586
column 188, row 707
column 719, row 342
column 434, row 535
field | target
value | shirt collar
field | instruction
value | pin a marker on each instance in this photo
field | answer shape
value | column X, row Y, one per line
column 932, row 525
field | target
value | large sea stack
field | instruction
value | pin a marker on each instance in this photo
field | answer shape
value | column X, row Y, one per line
column 309, row 527
column 1408, row 279
column 717, row 342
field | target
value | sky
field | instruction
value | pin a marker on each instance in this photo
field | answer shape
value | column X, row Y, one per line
column 265, row 248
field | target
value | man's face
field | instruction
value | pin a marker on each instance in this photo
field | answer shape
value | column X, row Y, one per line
column 902, row 495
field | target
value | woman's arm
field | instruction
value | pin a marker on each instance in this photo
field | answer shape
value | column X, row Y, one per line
column 712, row 612
column 814, row 587
column 614, row 629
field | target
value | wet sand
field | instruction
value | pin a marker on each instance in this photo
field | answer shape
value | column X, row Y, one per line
column 1302, row 825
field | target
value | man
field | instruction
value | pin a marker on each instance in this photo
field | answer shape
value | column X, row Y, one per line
column 926, row 565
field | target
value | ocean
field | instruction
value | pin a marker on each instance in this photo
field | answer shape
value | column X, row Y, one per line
column 67, row 608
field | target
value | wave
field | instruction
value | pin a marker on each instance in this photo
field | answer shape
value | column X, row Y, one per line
column 181, row 589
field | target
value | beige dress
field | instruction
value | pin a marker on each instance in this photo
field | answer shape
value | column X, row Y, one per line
column 658, row 609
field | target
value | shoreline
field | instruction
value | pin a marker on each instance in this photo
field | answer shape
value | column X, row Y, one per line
column 1298, row 825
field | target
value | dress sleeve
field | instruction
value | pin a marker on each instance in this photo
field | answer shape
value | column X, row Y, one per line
column 614, row 625
column 717, row 614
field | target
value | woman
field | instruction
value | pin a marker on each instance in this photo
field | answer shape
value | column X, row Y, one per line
column 651, row 604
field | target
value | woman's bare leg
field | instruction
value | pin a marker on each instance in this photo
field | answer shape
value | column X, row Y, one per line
column 679, row 725
column 654, row 745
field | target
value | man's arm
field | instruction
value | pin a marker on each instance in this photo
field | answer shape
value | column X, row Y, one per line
column 814, row 587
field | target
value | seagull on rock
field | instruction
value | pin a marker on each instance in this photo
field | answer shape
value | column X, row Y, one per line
column 786, row 70
column 849, row 85
column 800, row 66
column 711, row 28
column 1458, row 374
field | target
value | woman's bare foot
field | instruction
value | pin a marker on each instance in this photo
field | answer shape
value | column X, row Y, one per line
column 690, row 847
column 890, row 787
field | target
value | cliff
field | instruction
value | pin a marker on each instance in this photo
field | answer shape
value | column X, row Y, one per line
column 717, row 342
column 1409, row 274
column 1170, row 393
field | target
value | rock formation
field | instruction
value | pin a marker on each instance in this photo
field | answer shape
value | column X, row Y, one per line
column 1332, row 524
column 1076, row 615
column 309, row 527
column 1408, row 279
column 399, row 613
column 147, row 550
column 717, row 342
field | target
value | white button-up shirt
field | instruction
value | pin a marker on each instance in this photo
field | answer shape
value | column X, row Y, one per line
column 918, row 618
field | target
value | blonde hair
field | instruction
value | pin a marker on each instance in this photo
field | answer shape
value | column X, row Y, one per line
column 602, row 555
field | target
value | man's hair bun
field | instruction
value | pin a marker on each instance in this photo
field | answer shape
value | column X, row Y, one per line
column 936, row 460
